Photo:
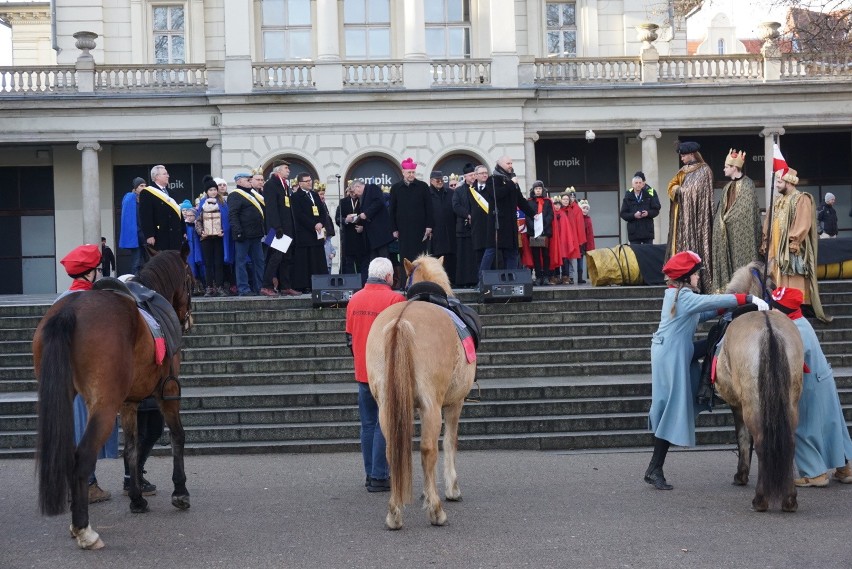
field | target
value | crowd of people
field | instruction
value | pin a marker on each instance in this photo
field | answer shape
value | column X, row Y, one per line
column 264, row 237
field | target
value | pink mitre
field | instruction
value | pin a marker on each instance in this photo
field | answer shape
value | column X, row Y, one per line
column 409, row 164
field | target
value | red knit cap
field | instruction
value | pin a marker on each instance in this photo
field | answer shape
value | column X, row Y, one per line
column 789, row 298
column 81, row 260
column 682, row 265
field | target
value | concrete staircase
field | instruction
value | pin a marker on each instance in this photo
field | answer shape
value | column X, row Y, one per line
column 570, row 370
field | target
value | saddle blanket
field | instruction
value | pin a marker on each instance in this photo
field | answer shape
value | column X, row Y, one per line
column 464, row 336
column 157, row 333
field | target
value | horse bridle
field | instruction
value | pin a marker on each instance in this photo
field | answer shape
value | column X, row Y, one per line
column 765, row 292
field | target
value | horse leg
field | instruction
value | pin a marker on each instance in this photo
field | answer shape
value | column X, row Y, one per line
column 129, row 418
column 760, row 503
column 97, row 432
column 430, row 430
column 743, row 447
column 171, row 413
column 451, row 439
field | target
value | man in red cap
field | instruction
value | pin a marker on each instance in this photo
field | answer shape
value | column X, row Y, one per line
column 674, row 373
column 81, row 264
column 822, row 438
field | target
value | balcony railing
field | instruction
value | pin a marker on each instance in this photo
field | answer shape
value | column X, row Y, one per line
column 461, row 73
column 172, row 77
column 711, row 68
column 816, row 66
column 282, row 76
column 592, row 70
column 42, row 80
column 372, row 74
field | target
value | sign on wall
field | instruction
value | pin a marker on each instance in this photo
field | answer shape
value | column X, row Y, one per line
column 375, row 170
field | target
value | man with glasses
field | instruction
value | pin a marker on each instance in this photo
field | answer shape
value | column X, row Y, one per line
column 159, row 215
column 309, row 214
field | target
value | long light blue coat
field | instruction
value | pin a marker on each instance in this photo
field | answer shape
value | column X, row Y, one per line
column 822, row 438
column 674, row 379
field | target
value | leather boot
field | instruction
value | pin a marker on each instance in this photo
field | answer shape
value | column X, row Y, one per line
column 654, row 474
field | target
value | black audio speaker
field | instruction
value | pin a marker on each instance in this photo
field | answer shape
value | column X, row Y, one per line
column 333, row 290
column 507, row 285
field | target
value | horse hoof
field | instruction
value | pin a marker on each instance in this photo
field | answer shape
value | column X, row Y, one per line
column 393, row 523
column 790, row 506
column 740, row 481
column 453, row 498
column 87, row 538
column 139, row 507
column 181, row 502
column 99, row 544
column 759, row 506
column 440, row 519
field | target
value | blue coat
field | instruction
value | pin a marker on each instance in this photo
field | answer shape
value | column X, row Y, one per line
column 129, row 236
column 674, row 378
column 822, row 438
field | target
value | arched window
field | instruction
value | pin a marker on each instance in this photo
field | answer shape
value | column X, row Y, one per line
column 721, row 46
column 297, row 166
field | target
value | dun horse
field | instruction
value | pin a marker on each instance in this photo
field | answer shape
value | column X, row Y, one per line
column 415, row 359
column 759, row 374
column 97, row 344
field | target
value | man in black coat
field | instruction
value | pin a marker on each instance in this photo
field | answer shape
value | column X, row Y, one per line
column 504, row 197
column 442, row 243
column 376, row 220
column 639, row 208
column 159, row 215
column 279, row 218
column 467, row 260
column 411, row 212
column 354, row 254
column 107, row 259
column 245, row 214
column 309, row 214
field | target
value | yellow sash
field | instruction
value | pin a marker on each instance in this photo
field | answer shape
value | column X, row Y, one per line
column 166, row 199
column 259, row 197
column 251, row 200
column 477, row 197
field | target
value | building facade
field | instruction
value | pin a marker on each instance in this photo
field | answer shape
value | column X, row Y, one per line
column 579, row 94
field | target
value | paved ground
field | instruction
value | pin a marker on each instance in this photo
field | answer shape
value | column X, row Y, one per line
column 520, row 509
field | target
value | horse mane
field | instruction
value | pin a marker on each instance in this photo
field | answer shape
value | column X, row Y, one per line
column 164, row 273
column 743, row 281
column 426, row 268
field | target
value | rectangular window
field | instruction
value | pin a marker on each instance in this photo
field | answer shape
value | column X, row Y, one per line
column 561, row 18
column 366, row 25
column 286, row 30
column 448, row 29
column 169, row 34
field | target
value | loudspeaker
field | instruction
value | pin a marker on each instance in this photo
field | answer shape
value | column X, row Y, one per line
column 507, row 285
column 333, row 290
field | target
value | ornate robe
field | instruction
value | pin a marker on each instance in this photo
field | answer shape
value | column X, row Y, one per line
column 736, row 230
column 691, row 216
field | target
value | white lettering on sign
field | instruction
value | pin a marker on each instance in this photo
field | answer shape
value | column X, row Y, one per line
column 757, row 158
column 573, row 161
column 177, row 184
column 380, row 180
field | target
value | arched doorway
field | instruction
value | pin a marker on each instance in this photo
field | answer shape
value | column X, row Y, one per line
column 298, row 166
column 454, row 164
column 377, row 170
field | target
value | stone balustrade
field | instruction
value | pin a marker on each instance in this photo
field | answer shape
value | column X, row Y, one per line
column 172, row 77
column 282, row 76
column 711, row 68
column 826, row 66
column 41, row 80
column 588, row 70
column 372, row 74
column 461, row 73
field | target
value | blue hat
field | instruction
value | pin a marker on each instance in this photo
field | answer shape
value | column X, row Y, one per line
column 241, row 175
column 186, row 204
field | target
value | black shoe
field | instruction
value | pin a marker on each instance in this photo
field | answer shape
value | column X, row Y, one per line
column 581, row 281
column 657, row 479
column 367, row 482
column 379, row 485
column 147, row 488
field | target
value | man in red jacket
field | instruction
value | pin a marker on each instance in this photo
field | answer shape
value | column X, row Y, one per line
column 361, row 312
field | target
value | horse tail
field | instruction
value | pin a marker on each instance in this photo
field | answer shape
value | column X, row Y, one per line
column 777, row 447
column 55, row 444
column 399, row 396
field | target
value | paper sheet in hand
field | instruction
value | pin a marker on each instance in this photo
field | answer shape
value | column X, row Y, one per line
column 538, row 225
column 281, row 244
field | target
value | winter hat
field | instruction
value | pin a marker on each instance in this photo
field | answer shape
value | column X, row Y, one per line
column 186, row 204
column 688, row 147
column 208, row 182
column 682, row 265
column 640, row 174
column 828, row 197
column 137, row 180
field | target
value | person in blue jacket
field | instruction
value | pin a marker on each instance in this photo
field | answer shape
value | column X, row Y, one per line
column 674, row 371
column 822, row 438
column 130, row 236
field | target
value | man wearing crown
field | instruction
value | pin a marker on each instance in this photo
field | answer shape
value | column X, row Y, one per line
column 736, row 223
column 790, row 240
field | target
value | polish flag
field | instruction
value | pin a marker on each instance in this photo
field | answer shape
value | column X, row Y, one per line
column 778, row 161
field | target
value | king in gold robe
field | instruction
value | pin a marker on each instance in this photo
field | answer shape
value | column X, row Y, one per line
column 690, row 216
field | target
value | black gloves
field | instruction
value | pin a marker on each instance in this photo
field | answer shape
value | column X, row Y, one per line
column 279, row 233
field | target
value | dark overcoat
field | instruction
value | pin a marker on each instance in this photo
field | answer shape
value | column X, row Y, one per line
column 377, row 226
column 444, row 228
column 161, row 221
column 411, row 213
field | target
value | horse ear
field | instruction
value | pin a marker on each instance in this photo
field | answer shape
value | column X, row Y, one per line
column 184, row 251
column 408, row 266
column 441, row 260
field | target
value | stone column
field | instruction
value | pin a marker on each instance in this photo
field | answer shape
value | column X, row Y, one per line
column 504, row 49
column 651, row 168
column 328, row 71
column 768, row 135
column 416, row 70
column 238, row 74
column 91, row 192
column 530, row 138
column 215, row 146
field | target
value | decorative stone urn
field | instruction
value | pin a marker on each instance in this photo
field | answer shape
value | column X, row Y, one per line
column 769, row 31
column 646, row 32
column 85, row 42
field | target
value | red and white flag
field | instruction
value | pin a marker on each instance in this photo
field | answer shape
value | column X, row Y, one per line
column 778, row 161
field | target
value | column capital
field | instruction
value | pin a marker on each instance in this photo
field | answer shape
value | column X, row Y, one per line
column 645, row 133
column 211, row 142
column 770, row 131
column 531, row 136
column 89, row 145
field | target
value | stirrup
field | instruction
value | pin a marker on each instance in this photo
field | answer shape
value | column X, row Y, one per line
column 474, row 398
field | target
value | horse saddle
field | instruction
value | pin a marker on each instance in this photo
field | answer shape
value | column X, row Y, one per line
column 156, row 310
column 430, row 292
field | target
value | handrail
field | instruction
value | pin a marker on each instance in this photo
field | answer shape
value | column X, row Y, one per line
column 703, row 68
column 588, row 70
column 183, row 77
column 461, row 73
column 372, row 74
column 38, row 80
column 271, row 76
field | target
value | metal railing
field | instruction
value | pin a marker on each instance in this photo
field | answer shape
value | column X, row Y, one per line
column 286, row 76
column 170, row 77
column 461, row 73
column 593, row 70
column 40, row 80
column 372, row 74
column 711, row 68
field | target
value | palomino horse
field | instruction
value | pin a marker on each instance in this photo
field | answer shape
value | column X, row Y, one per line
column 415, row 359
column 759, row 374
column 96, row 343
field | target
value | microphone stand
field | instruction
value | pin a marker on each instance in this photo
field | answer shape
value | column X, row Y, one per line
column 342, row 226
column 496, row 226
column 765, row 292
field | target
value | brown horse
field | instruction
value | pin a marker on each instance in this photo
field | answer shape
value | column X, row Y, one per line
column 97, row 344
column 759, row 374
column 415, row 360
